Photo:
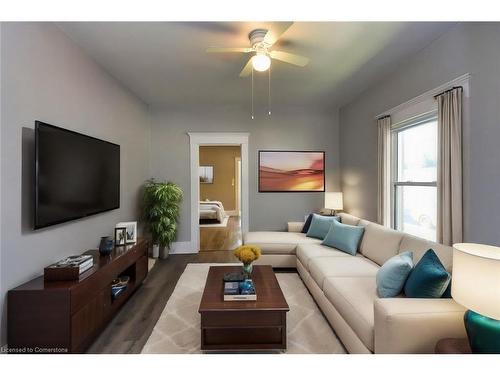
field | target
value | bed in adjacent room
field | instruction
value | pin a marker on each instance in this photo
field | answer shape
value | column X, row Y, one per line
column 212, row 213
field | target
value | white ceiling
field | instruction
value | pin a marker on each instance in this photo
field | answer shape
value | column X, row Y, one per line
column 165, row 64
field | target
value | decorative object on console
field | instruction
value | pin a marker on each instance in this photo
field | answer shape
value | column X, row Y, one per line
column 106, row 245
column 320, row 225
column 391, row 277
column 334, row 201
column 247, row 254
column 344, row 237
column 131, row 231
column 476, row 285
column 428, row 279
column 291, row 171
column 161, row 207
column 69, row 268
column 120, row 236
column 206, row 174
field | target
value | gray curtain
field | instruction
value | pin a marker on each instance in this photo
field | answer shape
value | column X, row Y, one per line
column 449, row 183
column 384, row 171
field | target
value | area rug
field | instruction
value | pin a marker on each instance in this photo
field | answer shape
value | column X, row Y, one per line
column 214, row 224
column 178, row 328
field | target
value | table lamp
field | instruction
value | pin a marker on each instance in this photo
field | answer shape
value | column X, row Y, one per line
column 475, row 284
column 334, row 201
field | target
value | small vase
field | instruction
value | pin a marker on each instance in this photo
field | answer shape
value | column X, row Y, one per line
column 106, row 245
column 247, row 270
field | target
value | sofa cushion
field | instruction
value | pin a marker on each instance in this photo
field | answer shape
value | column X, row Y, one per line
column 380, row 243
column 277, row 242
column 306, row 252
column 419, row 246
column 344, row 237
column 307, row 223
column 358, row 266
column 320, row 225
column 348, row 219
column 354, row 298
column 429, row 278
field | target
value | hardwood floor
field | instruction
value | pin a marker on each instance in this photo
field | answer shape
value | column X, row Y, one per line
column 131, row 327
column 226, row 238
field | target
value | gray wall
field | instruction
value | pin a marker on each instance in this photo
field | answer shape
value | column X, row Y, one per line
column 286, row 129
column 467, row 48
column 46, row 77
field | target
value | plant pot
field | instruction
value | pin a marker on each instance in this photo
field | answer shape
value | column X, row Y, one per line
column 164, row 252
column 155, row 253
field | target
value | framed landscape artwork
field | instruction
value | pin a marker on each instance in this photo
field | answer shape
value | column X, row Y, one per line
column 206, row 174
column 291, row 171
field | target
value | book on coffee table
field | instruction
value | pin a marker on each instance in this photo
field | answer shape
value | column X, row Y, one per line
column 239, row 291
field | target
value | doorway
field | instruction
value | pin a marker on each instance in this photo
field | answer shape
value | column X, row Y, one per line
column 219, row 237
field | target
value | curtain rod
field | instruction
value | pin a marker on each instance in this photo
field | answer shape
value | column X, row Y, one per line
column 444, row 92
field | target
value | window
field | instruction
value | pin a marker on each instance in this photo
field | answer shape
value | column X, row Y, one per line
column 414, row 177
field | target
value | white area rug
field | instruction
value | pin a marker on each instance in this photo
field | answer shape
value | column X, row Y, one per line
column 178, row 328
column 216, row 225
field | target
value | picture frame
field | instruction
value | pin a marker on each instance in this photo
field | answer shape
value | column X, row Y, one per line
column 206, row 174
column 283, row 171
column 131, row 231
column 120, row 236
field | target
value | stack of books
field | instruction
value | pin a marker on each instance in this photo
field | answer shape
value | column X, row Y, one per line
column 239, row 291
column 69, row 268
column 118, row 286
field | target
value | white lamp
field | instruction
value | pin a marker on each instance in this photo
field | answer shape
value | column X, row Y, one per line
column 261, row 62
column 334, row 201
column 475, row 284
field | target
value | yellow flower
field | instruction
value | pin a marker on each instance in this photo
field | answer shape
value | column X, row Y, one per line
column 247, row 253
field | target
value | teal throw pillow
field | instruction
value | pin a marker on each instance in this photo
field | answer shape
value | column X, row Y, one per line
column 344, row 237
column 429, row 278
column 320, row 225
column 391, row 277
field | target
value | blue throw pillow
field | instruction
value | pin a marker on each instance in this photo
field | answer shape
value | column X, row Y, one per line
column 320, row 225
column 429, row 278
column 344, row 237
column 391, row 277
column 447, row 292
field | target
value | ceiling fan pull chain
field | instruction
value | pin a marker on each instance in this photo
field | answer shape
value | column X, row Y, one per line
column 252, row 94
column 269, row 93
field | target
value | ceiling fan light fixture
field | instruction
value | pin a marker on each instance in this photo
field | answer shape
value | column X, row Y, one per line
column 261, row 62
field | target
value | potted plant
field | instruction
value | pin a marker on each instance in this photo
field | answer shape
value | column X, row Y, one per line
column 161, row 212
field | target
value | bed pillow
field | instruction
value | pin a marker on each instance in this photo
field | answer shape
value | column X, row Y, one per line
column 320, row 225
column 429, row 279
column 391, row 277
column 307, row 224
column 344, row 237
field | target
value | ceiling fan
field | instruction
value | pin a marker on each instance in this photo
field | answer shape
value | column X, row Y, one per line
column 261, row 43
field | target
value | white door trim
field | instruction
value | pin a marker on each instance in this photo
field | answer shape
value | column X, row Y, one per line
column 197, row 139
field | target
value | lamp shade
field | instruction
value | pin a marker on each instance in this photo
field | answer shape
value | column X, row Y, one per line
column 334, row 201
column 476, row 278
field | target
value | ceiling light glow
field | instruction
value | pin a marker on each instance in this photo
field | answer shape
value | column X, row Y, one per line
column 261, row 62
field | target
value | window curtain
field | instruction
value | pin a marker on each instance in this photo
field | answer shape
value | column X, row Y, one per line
column 449, row 183
column 384, row 171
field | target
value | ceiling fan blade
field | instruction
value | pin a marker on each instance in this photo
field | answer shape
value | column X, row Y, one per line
column 289, row 58
column 228, row 49
column 277, row 29
column 247, row 69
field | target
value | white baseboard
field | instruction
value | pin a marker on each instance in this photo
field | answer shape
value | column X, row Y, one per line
column 183, row 247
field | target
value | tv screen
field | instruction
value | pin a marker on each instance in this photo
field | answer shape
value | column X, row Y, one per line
column 76, row 175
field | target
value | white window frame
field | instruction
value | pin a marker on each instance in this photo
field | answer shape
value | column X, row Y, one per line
column 395, row 130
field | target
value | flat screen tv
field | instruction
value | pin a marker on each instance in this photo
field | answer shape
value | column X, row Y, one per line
column 76, row 175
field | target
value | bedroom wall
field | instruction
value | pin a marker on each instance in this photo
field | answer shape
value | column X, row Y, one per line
column 467, row 48
column 287, row 129
column 44, row 76
column 223, row 188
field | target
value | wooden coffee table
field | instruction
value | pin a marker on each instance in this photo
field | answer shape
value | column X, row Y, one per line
column 243, row 325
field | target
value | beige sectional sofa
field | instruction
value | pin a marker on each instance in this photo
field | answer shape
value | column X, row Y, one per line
column 344, row 287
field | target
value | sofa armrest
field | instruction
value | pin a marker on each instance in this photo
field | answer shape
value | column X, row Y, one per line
column 295, row 226
column 414, row 325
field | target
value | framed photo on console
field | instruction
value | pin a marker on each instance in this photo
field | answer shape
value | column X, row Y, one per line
column 120, row 236
column 291, row 171
column 130, row 231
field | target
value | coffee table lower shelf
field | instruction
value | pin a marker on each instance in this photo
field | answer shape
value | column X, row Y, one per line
column 255, row 331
